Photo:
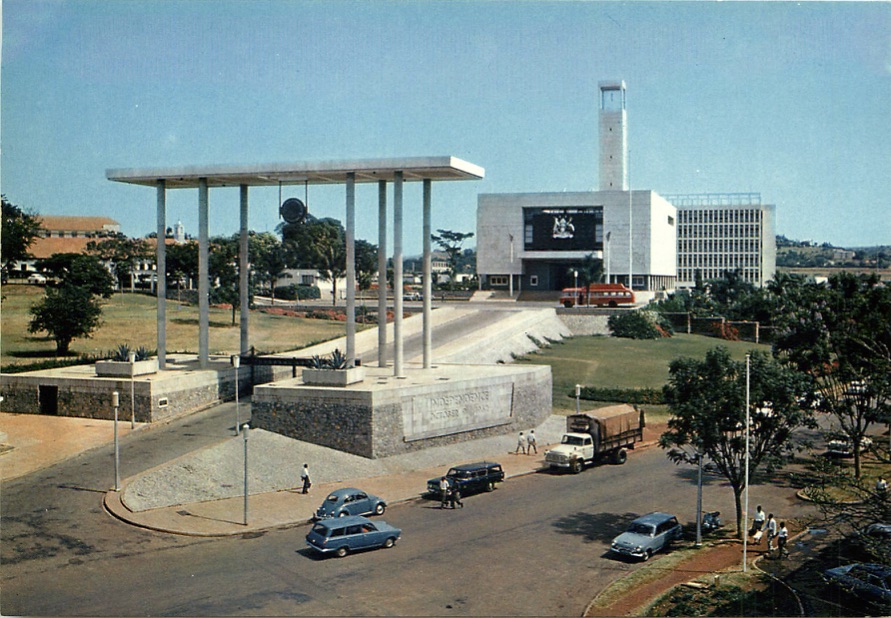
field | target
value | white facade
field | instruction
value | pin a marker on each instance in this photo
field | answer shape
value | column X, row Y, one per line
column 523, row 240
column 720, row 233
column 613, row 122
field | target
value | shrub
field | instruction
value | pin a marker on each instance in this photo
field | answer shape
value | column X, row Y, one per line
column 297, row 292
column 639, row 325
column 648, row 396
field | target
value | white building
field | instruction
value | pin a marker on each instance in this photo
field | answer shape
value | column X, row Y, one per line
column 719, row 233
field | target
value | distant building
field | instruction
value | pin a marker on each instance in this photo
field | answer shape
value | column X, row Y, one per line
column 66, row 234
column 721, row 232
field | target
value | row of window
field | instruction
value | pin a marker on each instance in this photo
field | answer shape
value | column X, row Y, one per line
column 718, row 230
column 734, row 215
column 724, row 245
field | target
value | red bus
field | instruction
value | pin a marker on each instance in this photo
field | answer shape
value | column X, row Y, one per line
column 599, row 295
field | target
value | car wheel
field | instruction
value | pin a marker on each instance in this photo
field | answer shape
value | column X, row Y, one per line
column 490, row 486
column 620, row 457
column 379, row 509
column 613, row 304
column 390, row 542
column 567, row 304
column 576, row 466
column 342, row 551
column 648, row 555
column 342, row 514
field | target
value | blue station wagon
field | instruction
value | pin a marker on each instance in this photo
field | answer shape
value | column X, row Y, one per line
column 343, row 535
column 646, row 535
column 350, row 501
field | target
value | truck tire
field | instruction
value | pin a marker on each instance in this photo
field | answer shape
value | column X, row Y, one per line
column 620, row 456
column 576, row 466
column 567, row 304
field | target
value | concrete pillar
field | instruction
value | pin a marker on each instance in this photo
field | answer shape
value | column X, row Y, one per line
column 351, row 269
column 203, row 277
column 381, row 273
column 243, row 272
column 161, row 273
column 428, row 281
column 397, row 274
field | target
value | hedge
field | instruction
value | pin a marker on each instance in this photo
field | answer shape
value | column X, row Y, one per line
column 649, row 396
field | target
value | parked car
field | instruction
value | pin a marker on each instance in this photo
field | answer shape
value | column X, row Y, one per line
column 647, row 534
column 37, row 279
column 411, row 296
column 469, row 478
column 350, row 501
column 840, row 446
column 343, row 535
column 867, row 581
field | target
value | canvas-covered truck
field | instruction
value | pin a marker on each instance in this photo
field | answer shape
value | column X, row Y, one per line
column 597, row 435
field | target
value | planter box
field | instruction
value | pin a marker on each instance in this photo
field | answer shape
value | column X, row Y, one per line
column 333, row 377
column 119, row 369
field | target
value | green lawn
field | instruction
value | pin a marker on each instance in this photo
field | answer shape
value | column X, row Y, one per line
column 131, row 319
column 623, row 363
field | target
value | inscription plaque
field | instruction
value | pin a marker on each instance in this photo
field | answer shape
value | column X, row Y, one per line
column 439, row 414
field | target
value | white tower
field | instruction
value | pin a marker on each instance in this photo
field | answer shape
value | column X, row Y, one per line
column 179, row 233
column 613, row 137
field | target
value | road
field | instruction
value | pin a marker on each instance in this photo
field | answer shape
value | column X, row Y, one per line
column 535, row 546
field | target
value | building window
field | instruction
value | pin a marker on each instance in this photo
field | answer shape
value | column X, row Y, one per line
column 671, row 220
column 533, row 280
column 498, row 280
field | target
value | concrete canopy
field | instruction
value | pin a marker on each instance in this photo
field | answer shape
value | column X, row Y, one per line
column 302, row 172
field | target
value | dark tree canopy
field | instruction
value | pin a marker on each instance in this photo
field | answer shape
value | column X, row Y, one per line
column 66, row 313
column 451, row 242
column 707, row 399
column 80, row 270
column 19, row 230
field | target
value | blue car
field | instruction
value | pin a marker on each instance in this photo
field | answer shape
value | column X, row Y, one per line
column 866, row 581
column 646, row 535
column 350, row 501
column 347, row 534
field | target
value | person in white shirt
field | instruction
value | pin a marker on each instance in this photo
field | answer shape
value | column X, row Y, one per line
column 521, row 443
column 530, row 439
column 771, row 526
column 758, row 524
column 782, row 538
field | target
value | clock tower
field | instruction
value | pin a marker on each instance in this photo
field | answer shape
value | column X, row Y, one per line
column 613, row 137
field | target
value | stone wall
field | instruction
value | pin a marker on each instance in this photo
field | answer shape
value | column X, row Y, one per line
column 373, row 421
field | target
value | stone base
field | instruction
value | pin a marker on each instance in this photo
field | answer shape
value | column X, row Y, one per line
column 385, row 415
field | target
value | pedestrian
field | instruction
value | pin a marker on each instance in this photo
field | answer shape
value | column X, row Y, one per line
column 530, row 440
column 771, row 526
column 444, row 492
column 521, row 443
column 455, row 498
column 757, row 524
column 782, row 537
column 304, row 476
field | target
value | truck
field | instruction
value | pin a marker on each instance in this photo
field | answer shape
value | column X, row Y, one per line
column 600, row 434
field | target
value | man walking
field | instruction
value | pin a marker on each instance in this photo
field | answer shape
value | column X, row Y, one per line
column 757, row 525
column 530, row 439
column 444, row 492
column 782, row 538
column 521, row 443
column 771, row 526
column 455, row 498
column 304, row 476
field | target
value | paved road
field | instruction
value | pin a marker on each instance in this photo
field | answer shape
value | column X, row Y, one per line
column 534, row 547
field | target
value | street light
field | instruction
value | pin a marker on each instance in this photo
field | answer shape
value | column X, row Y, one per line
column 578, row 392
column 244, row 431
column 746, row 506
column 699, row 502
column 115, row 402
column 608, row 234
column 236, row 362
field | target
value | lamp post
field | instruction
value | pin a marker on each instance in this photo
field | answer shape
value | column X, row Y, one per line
column 699, row 501
column 115, row 402
column 132, row 358
column 578, row 392
column 608, row 234
column 236, row 362
column 746, row 504
column 244, row 431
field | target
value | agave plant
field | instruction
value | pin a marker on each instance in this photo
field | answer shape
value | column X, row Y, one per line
column 337, row 360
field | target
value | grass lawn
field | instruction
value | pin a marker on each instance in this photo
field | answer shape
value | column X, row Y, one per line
column 623, row 363
column 131, row 319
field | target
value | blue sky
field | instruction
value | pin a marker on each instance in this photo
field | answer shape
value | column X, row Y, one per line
column 790, row 100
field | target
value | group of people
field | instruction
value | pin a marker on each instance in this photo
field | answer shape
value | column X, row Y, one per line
column 526, row 443
column 762, row 525
column 449, row 495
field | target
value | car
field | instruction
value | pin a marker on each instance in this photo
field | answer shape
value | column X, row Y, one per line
column 469, row 478
column 865, row 580
column 878, row 530
column 350, row 501
column 37, row 279
column 647, row 534
column 342, row 535
column 840, row 446
column 411, row 296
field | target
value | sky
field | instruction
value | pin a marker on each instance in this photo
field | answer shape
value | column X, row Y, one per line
column 791, row 100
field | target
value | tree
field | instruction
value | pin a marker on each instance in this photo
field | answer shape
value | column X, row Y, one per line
column 66, row 313
column 319, row 244
column 19, row 230
column 122, row 253
column 366, row 263
column 707, row 400
column 451, row 242
column 267, row 259
column 182, row 262
column 839, row 336
column 80, row 270
column 590, row 271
